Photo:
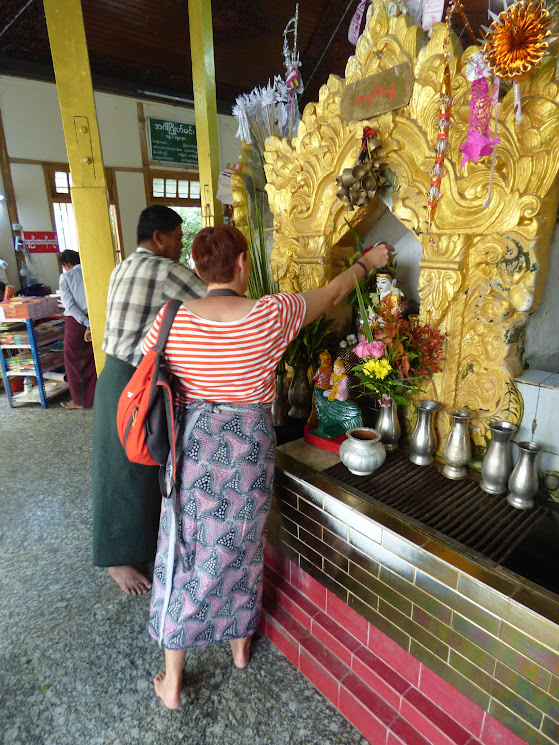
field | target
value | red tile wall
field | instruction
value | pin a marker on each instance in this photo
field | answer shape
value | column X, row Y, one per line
column 385, row 692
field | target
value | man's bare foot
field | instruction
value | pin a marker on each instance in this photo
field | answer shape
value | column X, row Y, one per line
column 71, row 405
column 241, row 651
column 169, row 694
column 130, row 580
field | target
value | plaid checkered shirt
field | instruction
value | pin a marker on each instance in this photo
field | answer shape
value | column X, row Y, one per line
column 138, row 288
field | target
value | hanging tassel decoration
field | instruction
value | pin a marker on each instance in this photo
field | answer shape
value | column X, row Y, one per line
column 478, row 141
column 517, row 102
column 516, row 43
column 445, row 107
column 495, row 104
column 355, row 24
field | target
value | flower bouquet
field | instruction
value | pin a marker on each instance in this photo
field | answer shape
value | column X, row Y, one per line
column 396, row 356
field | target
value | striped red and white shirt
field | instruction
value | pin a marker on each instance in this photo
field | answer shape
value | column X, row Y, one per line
column 233, row 361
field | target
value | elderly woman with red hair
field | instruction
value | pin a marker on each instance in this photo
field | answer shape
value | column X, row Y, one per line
column 223, row 351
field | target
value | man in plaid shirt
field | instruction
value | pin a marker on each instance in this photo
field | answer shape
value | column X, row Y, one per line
column 126, row 496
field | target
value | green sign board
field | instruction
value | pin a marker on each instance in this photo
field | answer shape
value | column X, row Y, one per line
column 172, row 142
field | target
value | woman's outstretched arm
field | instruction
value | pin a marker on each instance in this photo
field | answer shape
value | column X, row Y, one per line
column 321, row 300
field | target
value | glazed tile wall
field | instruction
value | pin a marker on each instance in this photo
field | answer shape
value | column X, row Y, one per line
column 501, row 655
column 540, row 396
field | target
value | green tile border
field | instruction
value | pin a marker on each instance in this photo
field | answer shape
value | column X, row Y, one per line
column 454, row 600
column 509, row 719
column 530, row 647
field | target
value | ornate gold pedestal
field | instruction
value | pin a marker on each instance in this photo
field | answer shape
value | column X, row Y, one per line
column 483, row 268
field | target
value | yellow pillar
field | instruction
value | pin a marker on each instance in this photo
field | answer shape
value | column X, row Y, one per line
column 205, row 107
column 89, row 192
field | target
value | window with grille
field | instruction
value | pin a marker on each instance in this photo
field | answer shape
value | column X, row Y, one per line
column 174, row 188
column 59, row 182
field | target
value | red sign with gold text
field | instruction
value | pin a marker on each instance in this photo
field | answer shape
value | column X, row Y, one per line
column 45, row 242
column 386, row 90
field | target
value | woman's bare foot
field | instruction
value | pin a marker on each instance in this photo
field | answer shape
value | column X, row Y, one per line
column 130, row 580
column 241, row 651
column 71, row 405
column 169, row 694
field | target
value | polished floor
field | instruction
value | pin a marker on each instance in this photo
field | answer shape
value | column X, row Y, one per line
column 76, row 662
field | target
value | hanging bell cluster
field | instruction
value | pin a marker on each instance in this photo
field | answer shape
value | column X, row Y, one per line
column 361, row 183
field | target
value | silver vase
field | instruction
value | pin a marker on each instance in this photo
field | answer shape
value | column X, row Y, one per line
column 458, row 450
column 496, row 466
column 388, row 426
column 300, row 395
column 423, row 440
column 279, row 407
column 523, row 481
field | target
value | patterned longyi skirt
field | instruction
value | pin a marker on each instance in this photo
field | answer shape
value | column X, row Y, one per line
column 207, row 584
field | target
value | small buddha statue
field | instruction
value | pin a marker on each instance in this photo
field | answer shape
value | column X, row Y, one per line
column 339, row 383
column 334, row 412
column 388, row 299
column 321, row 377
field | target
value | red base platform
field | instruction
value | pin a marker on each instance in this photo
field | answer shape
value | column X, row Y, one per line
column 332, row 444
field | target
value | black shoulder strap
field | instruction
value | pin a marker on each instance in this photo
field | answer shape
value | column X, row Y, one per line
column 166, row 323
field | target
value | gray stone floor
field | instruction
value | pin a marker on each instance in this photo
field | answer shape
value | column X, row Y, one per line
column 76, row 662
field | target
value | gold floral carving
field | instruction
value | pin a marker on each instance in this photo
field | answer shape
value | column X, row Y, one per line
column 483, row 267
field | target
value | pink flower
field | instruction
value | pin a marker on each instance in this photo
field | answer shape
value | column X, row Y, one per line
column 376, row 349
column 359, row 349
column 369, row 349
column 385, row 401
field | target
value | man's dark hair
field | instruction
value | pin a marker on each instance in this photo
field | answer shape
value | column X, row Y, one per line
column 157, row 217
column 69, row 257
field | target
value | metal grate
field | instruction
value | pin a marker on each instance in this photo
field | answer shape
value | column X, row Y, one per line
column 457, row 510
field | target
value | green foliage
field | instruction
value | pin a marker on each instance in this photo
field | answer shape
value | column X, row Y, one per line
column 261, row 281
column 362, row 310
column 368, row 283
column 304, row 349
column 191, row 224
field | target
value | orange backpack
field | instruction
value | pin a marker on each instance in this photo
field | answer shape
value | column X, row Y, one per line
column 144, row 417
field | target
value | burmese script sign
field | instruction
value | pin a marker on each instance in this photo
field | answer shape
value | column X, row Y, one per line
column 42, row 242
column 172, row 142
column 375, row 94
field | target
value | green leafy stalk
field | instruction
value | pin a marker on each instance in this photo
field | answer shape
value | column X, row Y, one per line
column 362, row 310
column 261, row 281
column 355, row 236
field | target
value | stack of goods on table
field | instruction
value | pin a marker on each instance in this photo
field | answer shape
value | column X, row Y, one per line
column 30, row 307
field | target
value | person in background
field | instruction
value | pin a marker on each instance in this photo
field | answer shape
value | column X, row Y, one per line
column 127, row 496
column 223, row 351
column 78, row 349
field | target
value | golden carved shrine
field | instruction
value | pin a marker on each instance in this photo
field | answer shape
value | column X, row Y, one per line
column 483, row 268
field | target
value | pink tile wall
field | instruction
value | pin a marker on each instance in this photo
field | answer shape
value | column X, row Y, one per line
column 385, row 692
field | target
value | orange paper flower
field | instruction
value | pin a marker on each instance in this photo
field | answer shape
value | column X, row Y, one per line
column 518, row 39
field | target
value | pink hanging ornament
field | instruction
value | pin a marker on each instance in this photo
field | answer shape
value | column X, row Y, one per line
column 478, row 141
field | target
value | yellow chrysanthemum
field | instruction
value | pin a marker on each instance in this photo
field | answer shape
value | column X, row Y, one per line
column 377, row 368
